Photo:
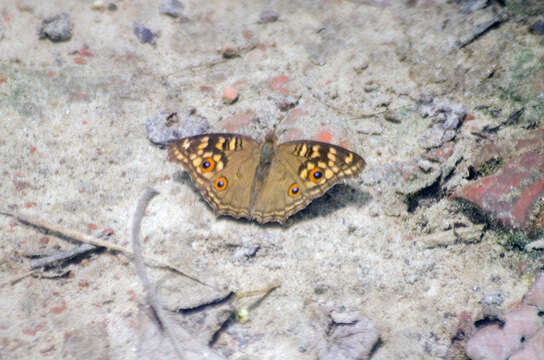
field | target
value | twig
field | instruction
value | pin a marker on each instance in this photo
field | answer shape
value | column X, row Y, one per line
column 87, row 239
column 65, row 255
column 142, row 273
column 149, row 289
column 17, row 278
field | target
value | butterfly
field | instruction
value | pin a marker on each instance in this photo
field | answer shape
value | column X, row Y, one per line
column 266, row 182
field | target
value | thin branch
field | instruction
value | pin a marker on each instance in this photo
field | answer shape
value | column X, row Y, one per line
column 61, row 256
column 150, row 290
column 87, row 239
column 142, row 273
column 17, row 278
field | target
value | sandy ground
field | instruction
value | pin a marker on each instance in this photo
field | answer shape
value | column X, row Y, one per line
column 74, row 151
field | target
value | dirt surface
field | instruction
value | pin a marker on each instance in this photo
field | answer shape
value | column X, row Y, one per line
column 388, row 253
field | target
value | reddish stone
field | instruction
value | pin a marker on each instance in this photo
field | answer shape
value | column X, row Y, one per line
column 80, row 60
column 324, row 136
column 92, row 226
column 30, row 332
column 294, row 115
column 513, row 194
column 442, row 153
column 230, row 94
column 237, row 122
column 107, row 232
column 278, row 83
column 84, row 51
column 58, row 309
column 247, row 34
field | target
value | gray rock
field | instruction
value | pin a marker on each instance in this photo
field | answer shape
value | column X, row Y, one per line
column 173, row 8
column 268, row 16
column 537, row 27
column 144, row 34
column 57, row 28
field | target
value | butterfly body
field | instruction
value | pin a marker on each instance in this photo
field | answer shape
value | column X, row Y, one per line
column 262, row 181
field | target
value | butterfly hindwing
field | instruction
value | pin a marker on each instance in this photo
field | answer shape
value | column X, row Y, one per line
column 221, row 166
column 307, row 166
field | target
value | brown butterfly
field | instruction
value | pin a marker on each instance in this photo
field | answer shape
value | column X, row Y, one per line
column 243, row 178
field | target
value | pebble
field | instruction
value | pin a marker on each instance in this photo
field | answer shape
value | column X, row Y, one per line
column 165, row 127
column 537, row 28
column 535, row 245
column 368, row 127
column 57, row 28
column 493, row 299
column 144, row 34
column 230, row 95
column 173, row 8
column 98, row 5
column 268, row 16
column 287, row 103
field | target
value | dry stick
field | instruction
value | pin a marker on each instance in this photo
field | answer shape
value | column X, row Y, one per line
column 84, row 238
column 142, row 273
column 17, row 278
column 149, row 289
column 65, row 255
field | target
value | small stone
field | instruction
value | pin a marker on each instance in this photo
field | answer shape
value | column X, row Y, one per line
column 493, row 299
column 470, row 6
column 112, row 7
column 535, row 245
column 537, row 28
column 57, row 28
column 392, row 116
column 351, row 336
column 425, row 165
column 368, row 127
column 438, row 239
column 144, row 34
column 470, row 234
column 230, row 52
column 287, row 103
column 268, row 16
column 370, row 87
column 98, row 5
column 230, row 95
column 166, row 128
column 173, row 8
column 245, row 252
column 411, row 278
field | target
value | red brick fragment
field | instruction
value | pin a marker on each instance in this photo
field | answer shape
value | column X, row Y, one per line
column 513, row 194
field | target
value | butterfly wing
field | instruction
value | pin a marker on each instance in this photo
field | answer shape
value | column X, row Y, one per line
column 222, row 166
column 310, row 167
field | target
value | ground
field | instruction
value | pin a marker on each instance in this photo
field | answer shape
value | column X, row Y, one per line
column 417, row 88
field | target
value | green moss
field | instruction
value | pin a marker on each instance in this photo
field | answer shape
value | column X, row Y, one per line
column 514, row 239
column 491, row 166
column 526, row 71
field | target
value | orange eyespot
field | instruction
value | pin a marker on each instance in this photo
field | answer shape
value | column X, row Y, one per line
column 316, row 174
column 294, row 190
column 207, row 165
column 221, row 183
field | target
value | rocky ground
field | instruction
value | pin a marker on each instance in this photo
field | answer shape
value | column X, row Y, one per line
column 434, row 252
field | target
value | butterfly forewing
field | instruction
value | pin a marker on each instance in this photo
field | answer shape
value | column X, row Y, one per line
column 222, row 167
